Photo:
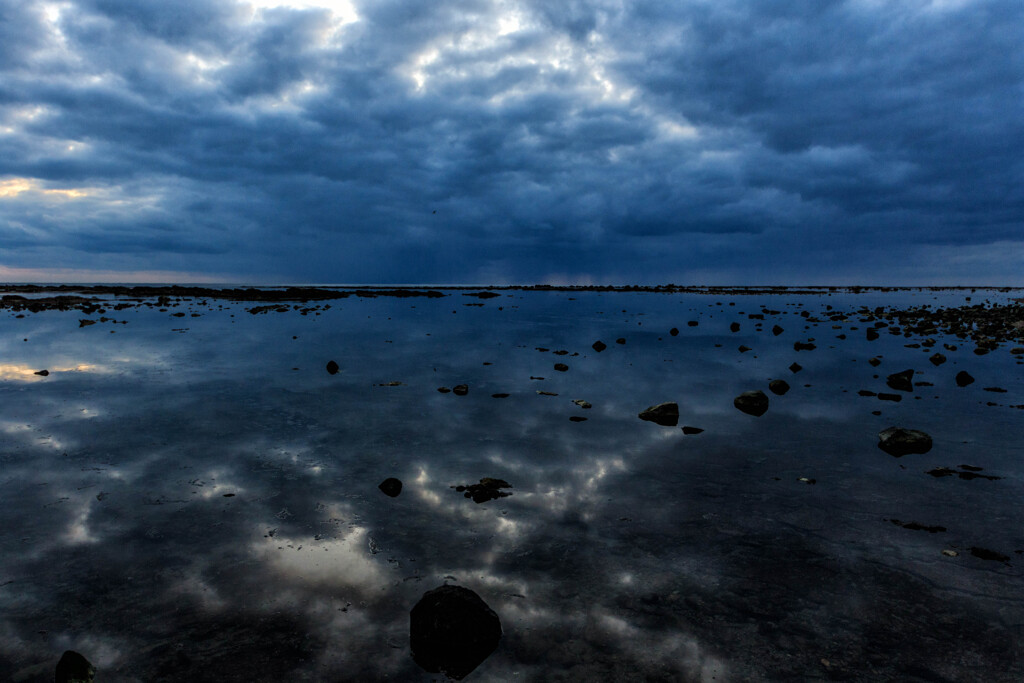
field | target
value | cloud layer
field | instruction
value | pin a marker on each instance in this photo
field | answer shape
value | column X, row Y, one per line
column 497, row 141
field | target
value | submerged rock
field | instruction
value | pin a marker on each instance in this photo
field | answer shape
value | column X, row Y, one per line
column 778, row 386
column 460, row 390
column 452, row 631
column 963, row 378
column 332, row 367
column 734, row 327
column 914, row 526
column 937, row 359
column 664, row 414
column 776, row 330
column 561, row 367
column 487, row 489
column 599, row 346
column 692, row 430
column 898, row 442
column 74, row 668
column 795, row 368
column 985, row 554
column 752, row 403
column 391, row 487
column 803, row 346
column 901, row 381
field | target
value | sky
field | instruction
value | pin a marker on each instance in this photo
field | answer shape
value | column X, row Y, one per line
column 513, row 141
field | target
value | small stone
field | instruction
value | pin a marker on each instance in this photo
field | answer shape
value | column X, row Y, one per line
column 582, row 404
column 734, row 327
column 985, row 554
column 577, row 418
column 803, row 346
column 599, row 346
column 898, row 442
column 752, row 403
column 937, row 359
column 460, row 389
column 444, row 390
column 620, row 340
column 901, row 381
column 744, row 348
column 778, row 386
column 43, row 373
column 795, row 368
column 332, row 367
column 674, row 331
column 561, row 367
column 391, row 487
column 950, row 553
column 664, row 414
column 874, row 362
column 871, row 334
column 963, row 378
column 776, row 330
column 499, row 395
column 692, row 430
column 889, row 397
column 692, row 323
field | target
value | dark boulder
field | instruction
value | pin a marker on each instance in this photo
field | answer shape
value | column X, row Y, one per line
column 620, row 340
column 803, row 346
column 963, row 378
column 452, row 631
column 734, row 327
column 674, row 331
column 74, row 668
column 871, row 334
column 752, row 403
column 599, row 346
column 43, row 373
column 778, row 386
column 391, row 487
column 901, row 381
column 561, row 367
column 795, row 368
column 332, row 367
column 664, row 414
column 898, row 442
column 460, row 390
column 776, row 330
column 692, row 430
column 937, row 359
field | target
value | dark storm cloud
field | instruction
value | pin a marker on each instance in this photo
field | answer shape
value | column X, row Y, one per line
column 585, row 140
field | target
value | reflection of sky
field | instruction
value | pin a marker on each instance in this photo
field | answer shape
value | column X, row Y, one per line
column 626, row 550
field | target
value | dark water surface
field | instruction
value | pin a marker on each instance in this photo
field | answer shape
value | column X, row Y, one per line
column 195, row 498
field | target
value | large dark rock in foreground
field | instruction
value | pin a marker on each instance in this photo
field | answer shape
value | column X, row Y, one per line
column 452, row 631
column 752, row 403
column 664, row 414
column 74, row 668
column 898, row 442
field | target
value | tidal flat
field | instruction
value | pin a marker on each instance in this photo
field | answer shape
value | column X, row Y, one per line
column 199, row 484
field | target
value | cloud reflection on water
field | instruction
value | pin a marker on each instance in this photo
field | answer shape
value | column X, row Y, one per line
column 626, row 550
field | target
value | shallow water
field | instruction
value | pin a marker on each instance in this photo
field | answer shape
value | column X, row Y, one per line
column 195, row 498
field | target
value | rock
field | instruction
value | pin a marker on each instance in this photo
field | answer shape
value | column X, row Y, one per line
column 452, row 631
column 744, row 348
column 561, row 367
column 915, row 526
column 986, row 554
column 875, row 362
column 949, row 552
column 1017, row 350
column 74, row 668
column 332, row 367
column 577, row 418
column 391, row 487
column 582, row 404
column 803, row 346
column 692, row 323
column 664, row 414
column 963, row 378
column 866, row 392
column 776, row 330
column 901, row 381
column 620, row 340
column 795, row 368
column 444, row 390
column 674, row 331
column 460, row 390
column 778, row 386
column 752, row 403
column 599, row 346
column 487, row 489
column 734, row 327
column 692, row 430
column 898, row 442
column 872, row 334
column 937, row 359
column 889, row 397
column 85, row 322
column 43, row 373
